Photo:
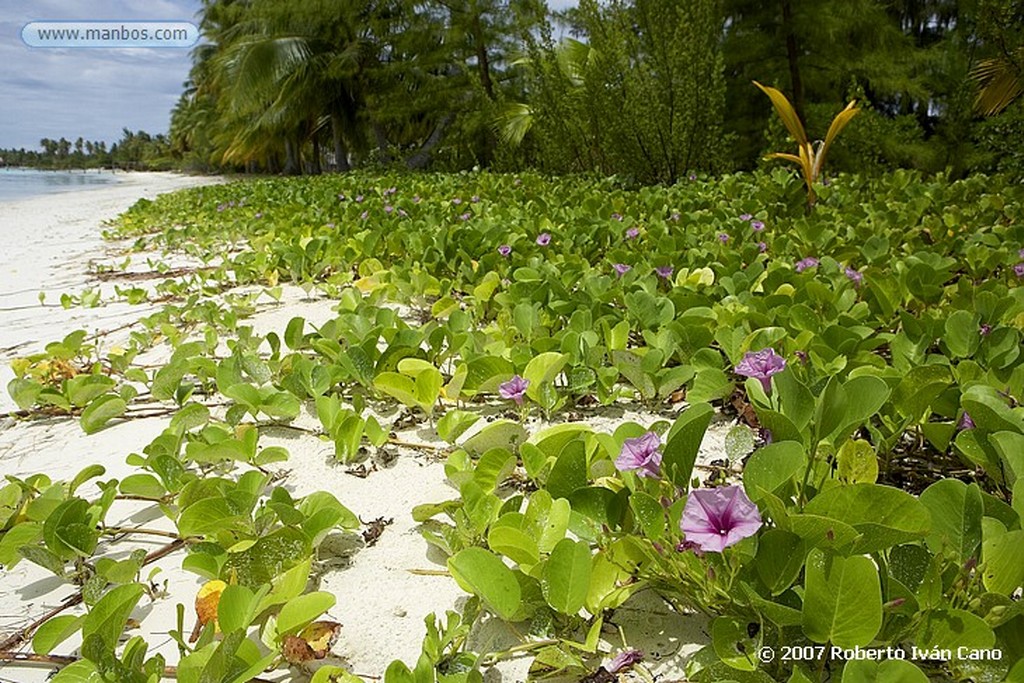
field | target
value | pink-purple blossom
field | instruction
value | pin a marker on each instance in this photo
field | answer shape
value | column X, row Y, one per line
column 761, row 365
column 632, row 233
column 664, row 271
column 985, row 330
column 456, row 201
column 723, row 237
column 466, row 216
column 855, row 276
column 965, row 422
column 805, row 263
column 617, row 217
column 504, row 250
column 675, row 216
column 642, row 455
column 544, row 239
column 757, row 226
column 745, row 216
column 359, row 199
column 388, row 208
column 762, row 247
column 624, row 660
column 514, row 389
column 717, row 518
column 364, row 215
column 622, row 268
column 1018, row 269
column 475, row 199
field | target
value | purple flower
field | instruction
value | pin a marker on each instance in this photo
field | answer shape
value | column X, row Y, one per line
column 456, row 201
column 388, row 208
column 221, row 207
column 390, row 190
column 259, row 214
column 617, row 217
column 675, row 216
column 341, row 197
column 723, row 238
column 757, row 226
column 965, row 422
column 632, row 233
column 622, row 268
column 717, row 518
column 623, row 661
column 761, row 365
column 855, row 276
column 765, row 435
column 416, row 199
column 985, row 330
column 1020, row 254
column 359, row 199
column 514, row 389
column 330, row 225
column 745, row 216
column 475, row 199
column 544, row 239
column 1018, row 269
column 504, row 250
column 762, row 247
column 402, row 213
column 693, row 176
column 664, row 271
column 517, row 182
column 466, row 216
column 804, row 264
column 364, row 215
column 641, row 454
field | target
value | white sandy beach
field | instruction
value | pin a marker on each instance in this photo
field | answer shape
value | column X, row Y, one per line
column 380, row 603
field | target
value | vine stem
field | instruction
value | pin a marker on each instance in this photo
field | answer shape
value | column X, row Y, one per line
column 30, row 658
column 495, row 657
column 121, row 530
column 20, row 636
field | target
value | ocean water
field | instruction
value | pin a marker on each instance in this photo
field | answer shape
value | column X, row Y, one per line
column 18, row 183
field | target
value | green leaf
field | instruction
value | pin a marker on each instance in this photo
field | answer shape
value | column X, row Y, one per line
column 108, row 616
column 67, row 530
column 733, row 643
column 569, row 472
column 566, row 577
column 55, row 631
column 101, row 411
column 89, row 472
column 649, row 513
column 885, row 516
column 498, row 434
column 1003, row 561
column 543, row 368
column 956, row 511
column 684, row 439
column 842, row 600
column 857, row 463
column 301, row 610
column 771, row 467
column 454, row 423
column 951, row 629
column 236, row 608
column 82, row 671
column 482, row 573
column 780, row 557
column 962, row 335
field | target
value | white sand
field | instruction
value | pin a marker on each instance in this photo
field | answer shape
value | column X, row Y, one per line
column 381, row 604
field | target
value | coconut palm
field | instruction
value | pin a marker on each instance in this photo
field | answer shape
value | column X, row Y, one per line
column 1000, row 81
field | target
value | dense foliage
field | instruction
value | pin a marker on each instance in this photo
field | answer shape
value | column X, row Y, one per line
column 866, row 351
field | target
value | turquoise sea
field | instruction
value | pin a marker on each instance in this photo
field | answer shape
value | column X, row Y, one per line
column 18, row 183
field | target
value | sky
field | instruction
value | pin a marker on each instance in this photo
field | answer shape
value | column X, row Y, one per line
column 92, row 92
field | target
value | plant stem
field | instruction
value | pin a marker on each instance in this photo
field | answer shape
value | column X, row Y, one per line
column 64, row 660
column 121, row 530
column 495, row 657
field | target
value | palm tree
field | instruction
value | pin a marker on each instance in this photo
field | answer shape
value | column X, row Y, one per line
column 1000, row 81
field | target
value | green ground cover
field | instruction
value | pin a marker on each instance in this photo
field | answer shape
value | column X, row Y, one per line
column 870, row 352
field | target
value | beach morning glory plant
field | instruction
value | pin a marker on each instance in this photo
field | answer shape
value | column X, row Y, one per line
column 717, row 518
column 761, row 365
column 641, row 455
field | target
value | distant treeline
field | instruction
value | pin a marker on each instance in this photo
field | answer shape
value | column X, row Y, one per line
column 136, row 151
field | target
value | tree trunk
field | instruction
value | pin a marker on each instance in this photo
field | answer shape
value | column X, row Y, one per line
column 315, row 167
column 382, row 144
column 341, row 164
column 291, row 158
column 792, row 56
column 421, row 158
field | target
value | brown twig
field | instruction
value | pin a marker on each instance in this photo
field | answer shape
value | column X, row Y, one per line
column 31, row 658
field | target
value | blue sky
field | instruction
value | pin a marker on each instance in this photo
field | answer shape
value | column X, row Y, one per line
column 54, row 92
